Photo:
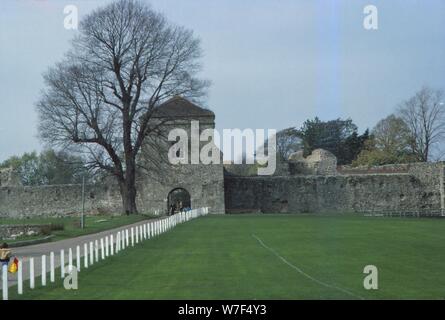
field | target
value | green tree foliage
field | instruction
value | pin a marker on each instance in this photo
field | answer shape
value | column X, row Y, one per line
column 337, row 136
column 390, row 142
column 288, row 141
column 48, row 168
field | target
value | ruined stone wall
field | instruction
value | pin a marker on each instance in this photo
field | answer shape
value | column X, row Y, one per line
column 319, row 162
column 14, row 231
column 282, row 169
column 9, row 178
column 329, row 194
column 204, row 183
column 387, row 168
column 58, row 200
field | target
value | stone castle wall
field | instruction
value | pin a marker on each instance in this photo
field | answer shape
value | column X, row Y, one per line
column 420, row 188
column 319, row 162
column 9, row 178
column 205, row 183
column 417, row 186
column 58, row 200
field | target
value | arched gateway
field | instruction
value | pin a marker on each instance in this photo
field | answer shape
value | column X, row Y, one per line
column 178, row 199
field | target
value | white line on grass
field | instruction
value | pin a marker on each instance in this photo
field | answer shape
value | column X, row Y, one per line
column 304, row 273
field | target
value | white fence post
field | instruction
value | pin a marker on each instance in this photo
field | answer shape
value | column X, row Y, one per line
column 43, row 270
column 70, row 260
column 132, row 236
column 91, row 253
column 85, row 255
column 107, row 245
column 111, row 245
column 20, row 277
column 102, row 249
column 5, row 281
column 31, row 273
column 96, row 250
column 78, row 258
column 145, row 231
column 62, row 263
column 127, row 242
column 52, row 275
column 137, row 234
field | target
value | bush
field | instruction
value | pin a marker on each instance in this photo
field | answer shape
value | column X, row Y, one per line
column 46, row 230
column 49, row 228
column 57, row 226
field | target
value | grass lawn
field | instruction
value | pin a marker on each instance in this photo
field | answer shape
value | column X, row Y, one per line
column 71, row 225
column 218, row 257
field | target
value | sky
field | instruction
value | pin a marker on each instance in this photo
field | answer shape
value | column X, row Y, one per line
column 273, row 64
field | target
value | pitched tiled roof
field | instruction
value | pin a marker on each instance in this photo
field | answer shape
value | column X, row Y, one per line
column 179, row 107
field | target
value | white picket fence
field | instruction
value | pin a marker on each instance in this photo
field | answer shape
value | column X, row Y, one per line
column 108, row 246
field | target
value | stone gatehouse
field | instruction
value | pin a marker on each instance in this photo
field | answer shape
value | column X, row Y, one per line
column 300, row 185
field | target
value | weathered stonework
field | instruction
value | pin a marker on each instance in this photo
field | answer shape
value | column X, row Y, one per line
column 58, row 200
column 14, row 231
column 300, row 185
column 204, row 183
column 420, row 188
column 319, row 162
column 9, row 178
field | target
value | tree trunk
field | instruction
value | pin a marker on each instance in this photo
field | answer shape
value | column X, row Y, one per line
column 128, row 189
column 128, row 193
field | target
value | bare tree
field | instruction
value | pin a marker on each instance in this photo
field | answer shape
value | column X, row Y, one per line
column 126, row 61
column 424, row 114
column 391, row 135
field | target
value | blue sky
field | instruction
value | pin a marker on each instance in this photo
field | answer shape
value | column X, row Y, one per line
column 273, row 64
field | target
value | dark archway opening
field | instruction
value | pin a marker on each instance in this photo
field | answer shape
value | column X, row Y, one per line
column 178, row 199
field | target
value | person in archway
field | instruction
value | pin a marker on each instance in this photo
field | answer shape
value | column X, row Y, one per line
column 172, row 209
